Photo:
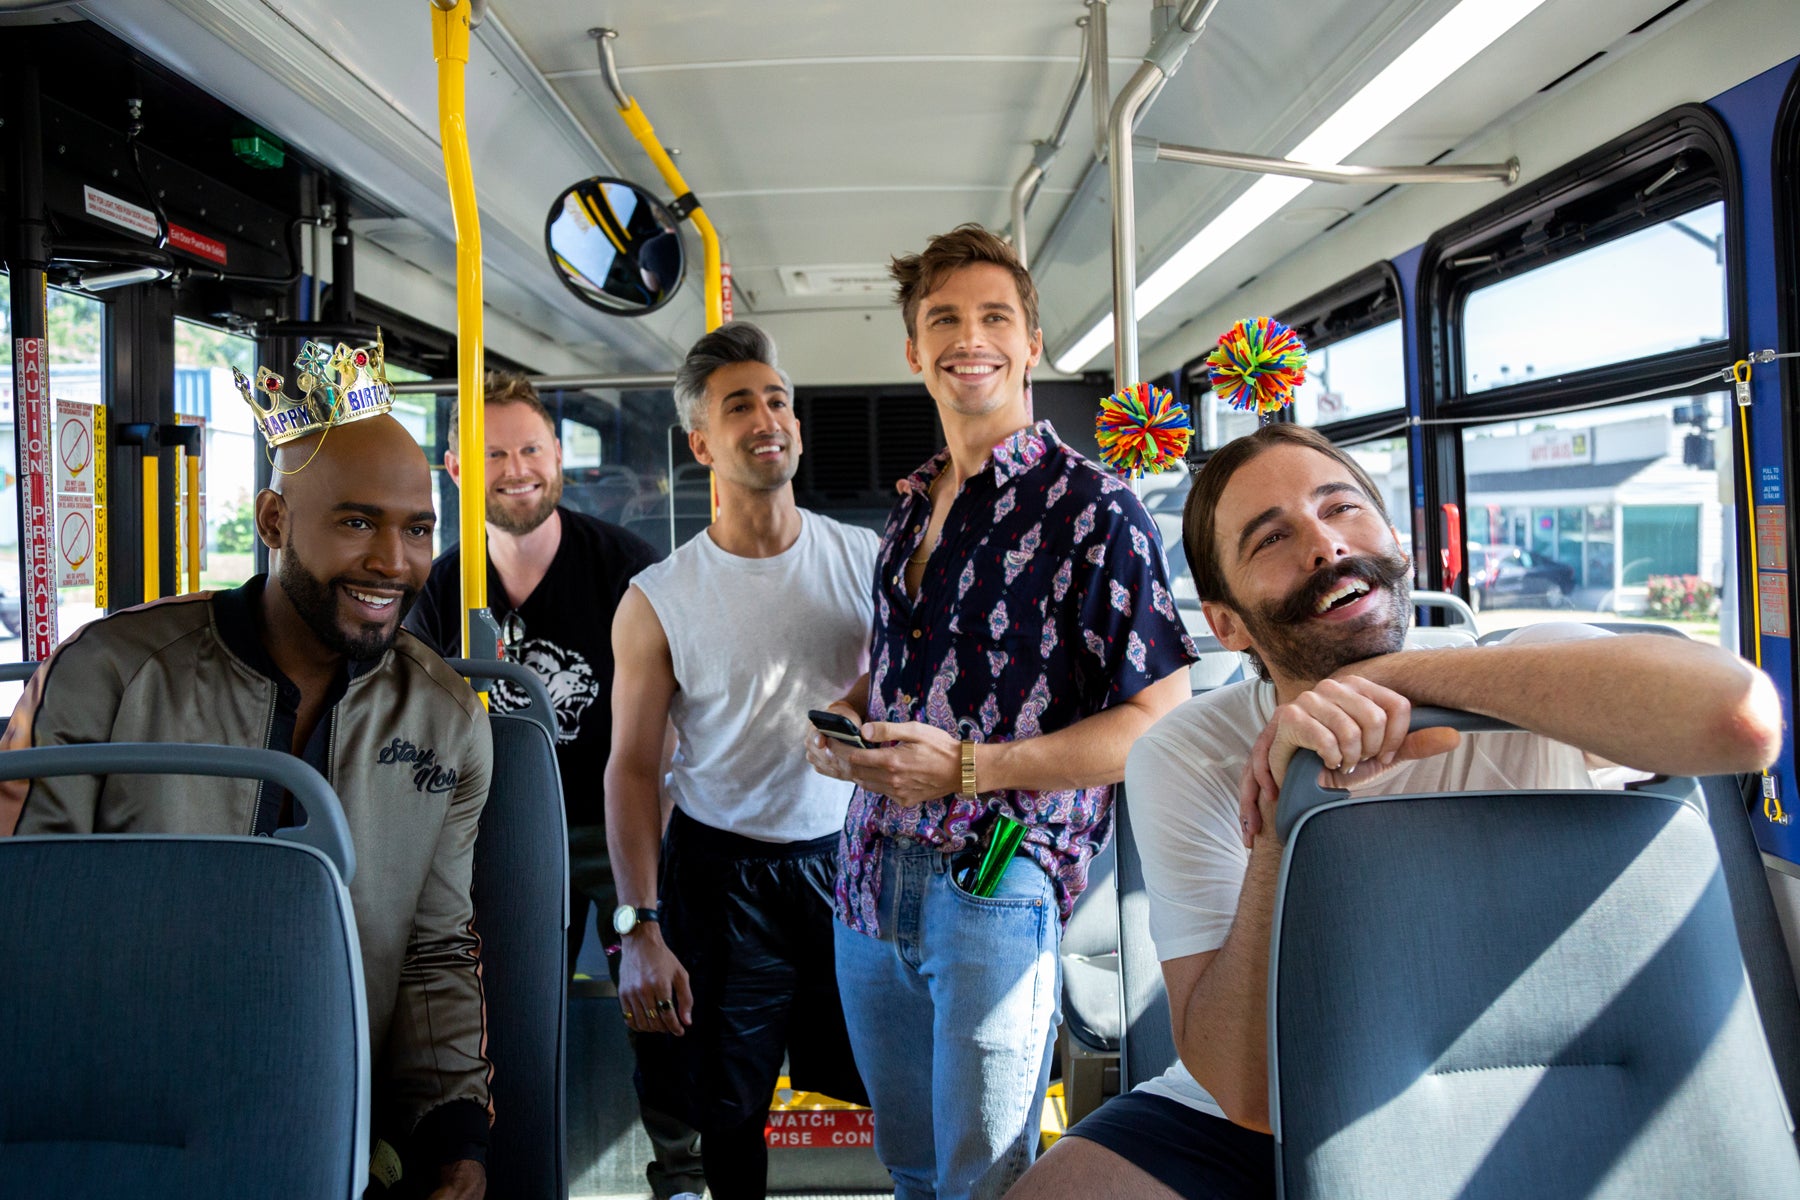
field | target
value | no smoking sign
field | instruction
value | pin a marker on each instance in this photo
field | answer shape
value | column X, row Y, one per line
column 75, row 541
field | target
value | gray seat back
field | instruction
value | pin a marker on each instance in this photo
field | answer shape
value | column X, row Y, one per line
column 521, row 894
column 183, row 1016
column 1147, row 1048
column 1519, row 994
column 1090, row 945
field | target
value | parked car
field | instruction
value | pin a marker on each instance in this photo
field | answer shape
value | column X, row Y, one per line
column 9, row 608
column 1513, row 575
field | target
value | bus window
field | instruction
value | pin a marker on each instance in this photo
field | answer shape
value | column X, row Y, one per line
column 205, row 393
column 1358, row 376
column 419, row 414
column 1612, row 514
column 1649, row 292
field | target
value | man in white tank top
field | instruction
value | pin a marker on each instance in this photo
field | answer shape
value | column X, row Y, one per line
column 1297, row 565
column 727, row 932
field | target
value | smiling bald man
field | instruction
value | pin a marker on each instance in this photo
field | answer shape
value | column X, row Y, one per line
column 311, row 659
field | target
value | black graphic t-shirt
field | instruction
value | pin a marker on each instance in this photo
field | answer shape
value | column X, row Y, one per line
column 563, row 631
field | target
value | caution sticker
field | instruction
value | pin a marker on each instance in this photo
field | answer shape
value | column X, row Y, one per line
column 1772, row 603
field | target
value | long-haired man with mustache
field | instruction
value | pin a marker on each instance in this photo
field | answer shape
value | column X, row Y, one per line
column 1298, row 567
column 726, row 920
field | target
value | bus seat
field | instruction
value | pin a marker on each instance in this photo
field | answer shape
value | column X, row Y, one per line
column 1146, row 1042
column 1088, row 1042
column 1456, row 610
column 1542, row 996
column 1433, row 637
column 1728, row 798
column 150, row 1047
column 1496, row 635
column 521, row 894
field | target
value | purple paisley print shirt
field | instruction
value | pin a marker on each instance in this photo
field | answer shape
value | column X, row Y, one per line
column 1045, row 600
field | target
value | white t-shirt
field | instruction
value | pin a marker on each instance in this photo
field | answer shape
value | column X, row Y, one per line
column 755, row 643
column 1182, row 779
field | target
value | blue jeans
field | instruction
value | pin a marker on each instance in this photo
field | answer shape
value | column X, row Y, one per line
column 951, row 1012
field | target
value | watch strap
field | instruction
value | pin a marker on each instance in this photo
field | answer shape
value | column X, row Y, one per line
column 968, row 768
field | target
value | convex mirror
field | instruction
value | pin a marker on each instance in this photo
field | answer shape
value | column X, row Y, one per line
column 615, row 246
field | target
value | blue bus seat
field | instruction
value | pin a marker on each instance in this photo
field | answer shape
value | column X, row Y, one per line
column 521, row 894
column 1529, row 993
column 184, row 1017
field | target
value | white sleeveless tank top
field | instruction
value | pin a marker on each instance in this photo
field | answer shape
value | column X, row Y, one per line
column 756, row 642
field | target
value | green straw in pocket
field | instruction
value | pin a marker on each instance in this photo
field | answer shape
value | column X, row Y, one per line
column 1002, row 845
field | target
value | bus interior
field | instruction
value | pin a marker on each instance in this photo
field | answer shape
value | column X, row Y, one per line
column 1545, row 255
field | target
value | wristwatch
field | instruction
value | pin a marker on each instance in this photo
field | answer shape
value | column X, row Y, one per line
column 626, row 918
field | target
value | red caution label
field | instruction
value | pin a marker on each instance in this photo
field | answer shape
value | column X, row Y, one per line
column 824, row 1129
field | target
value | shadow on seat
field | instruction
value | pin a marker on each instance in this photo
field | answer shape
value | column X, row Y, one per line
column 184, row 1015
column 521, row 893
column 1088, row 1043
column 1541, row 996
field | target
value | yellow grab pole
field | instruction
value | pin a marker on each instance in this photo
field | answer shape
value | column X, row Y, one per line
column 194, row 532
column 450, row 46
column 152, row 529
column 639, row 124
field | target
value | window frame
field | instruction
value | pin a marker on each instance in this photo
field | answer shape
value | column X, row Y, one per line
column 1606, row 184
column 1366, row 300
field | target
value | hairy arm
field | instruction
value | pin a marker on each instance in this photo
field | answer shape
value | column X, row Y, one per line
column 1657, row 704
column 924, row 762
column 643, row 687
column 1219, row 1000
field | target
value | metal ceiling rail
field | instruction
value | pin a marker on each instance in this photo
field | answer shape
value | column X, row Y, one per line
column 1045, row 152
column 1506, row 172
column 543, row 383
column 1161, row 61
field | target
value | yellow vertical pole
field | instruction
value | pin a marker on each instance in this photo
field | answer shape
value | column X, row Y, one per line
column 194, row 532
column 152, row 529
column 450, row 46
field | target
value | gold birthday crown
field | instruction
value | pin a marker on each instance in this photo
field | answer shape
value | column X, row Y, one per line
column 337, row 386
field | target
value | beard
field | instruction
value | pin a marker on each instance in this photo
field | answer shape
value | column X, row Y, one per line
column 316, row 601
column 1289, row 641
column 519, row 524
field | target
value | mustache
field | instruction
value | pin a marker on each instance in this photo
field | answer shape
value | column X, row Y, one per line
column 1376, row 570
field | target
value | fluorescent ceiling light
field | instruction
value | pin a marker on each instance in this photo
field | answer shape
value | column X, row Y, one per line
column 1444, row 49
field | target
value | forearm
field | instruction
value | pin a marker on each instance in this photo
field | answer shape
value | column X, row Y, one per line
column 1089, row 753
column 634, row 825
column 1221, row 1033
column 1652, row 703
column 858, row 696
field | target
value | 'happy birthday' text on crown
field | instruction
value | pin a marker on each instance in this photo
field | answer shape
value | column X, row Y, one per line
column 337, row 386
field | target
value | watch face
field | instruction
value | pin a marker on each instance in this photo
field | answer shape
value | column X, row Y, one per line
column 624, row 919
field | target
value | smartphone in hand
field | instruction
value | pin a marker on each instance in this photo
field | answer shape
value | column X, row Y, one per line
column 838, row 727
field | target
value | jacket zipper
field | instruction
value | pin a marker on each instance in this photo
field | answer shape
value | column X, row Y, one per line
column 263, row 788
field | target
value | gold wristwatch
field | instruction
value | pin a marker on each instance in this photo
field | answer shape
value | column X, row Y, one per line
column 968, row 768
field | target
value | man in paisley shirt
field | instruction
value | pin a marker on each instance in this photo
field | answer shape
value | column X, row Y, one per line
column 1024, row 637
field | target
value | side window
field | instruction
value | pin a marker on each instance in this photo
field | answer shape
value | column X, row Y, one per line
column 206, row 396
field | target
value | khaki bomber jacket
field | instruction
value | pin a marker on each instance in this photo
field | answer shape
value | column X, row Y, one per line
column 410, row 754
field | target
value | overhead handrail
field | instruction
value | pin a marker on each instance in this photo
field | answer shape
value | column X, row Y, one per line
column 543, row 383
column 686, row 204
column 1044, row 153
column 450, row 24
column 1161, row 61
column 1506, row 172
column 326, row 830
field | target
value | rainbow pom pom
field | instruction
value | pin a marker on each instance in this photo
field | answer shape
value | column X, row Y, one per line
column 1142, row 429
column 1258, row 365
